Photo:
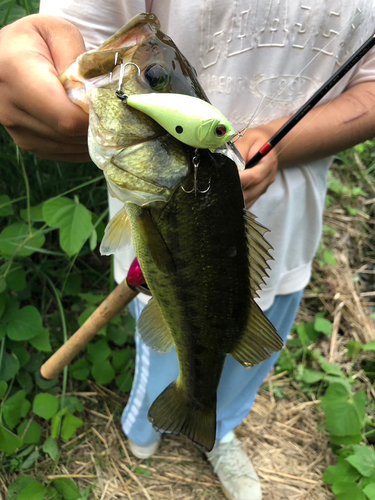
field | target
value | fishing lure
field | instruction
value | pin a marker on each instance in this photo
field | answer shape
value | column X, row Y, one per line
column 189, row 119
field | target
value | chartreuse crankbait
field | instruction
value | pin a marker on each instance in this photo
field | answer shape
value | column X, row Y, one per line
column 189, row 119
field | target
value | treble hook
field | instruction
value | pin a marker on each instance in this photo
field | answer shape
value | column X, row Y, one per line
column 195, row 161
column 120, row 94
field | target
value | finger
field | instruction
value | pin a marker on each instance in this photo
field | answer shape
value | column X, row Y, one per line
column 46, row 148
column 255, row 175
column 253, row 193
column 31, row 125
column 38, row 73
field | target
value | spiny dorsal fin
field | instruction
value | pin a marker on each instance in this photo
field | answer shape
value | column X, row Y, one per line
column 259, row 341
column 117, row 234
column 258, row 248
column 153, row 329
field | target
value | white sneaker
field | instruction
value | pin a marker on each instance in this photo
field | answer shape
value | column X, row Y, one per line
column 235, row 471
column 143, row 452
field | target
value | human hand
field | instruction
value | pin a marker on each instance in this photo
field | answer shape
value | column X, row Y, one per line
column 256, row 180
column 34, row 107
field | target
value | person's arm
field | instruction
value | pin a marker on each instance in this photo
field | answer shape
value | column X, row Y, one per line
column 34, row 107
column 327, row 129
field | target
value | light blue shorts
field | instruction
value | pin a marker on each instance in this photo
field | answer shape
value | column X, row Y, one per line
column 238, row 385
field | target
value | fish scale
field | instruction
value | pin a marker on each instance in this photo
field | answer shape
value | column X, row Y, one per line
column 203, row 256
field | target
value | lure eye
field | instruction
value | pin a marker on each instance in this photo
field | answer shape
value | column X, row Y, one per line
column 221, row 130
column 157, row 76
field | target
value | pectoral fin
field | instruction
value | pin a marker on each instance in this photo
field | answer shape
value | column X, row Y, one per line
column 155, row 243
column 153, row 329
column 117, row 234
column 259, row 341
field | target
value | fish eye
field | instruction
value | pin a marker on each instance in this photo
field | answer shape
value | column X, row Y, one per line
column 220, row 130
column 157, row 76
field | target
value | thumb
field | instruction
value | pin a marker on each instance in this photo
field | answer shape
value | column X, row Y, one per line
column 63, row 39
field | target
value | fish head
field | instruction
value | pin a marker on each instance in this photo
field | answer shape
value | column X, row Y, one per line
column 141, row 161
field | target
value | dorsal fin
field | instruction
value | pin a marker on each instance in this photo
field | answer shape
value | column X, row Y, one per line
column 117, row 234
column 258, row 248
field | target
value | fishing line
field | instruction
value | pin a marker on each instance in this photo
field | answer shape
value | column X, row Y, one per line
column 316, row 97
column 255, row 115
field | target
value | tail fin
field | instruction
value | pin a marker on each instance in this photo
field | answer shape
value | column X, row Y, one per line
column 173, row 413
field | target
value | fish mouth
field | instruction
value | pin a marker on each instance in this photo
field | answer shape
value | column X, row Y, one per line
column 124, row 43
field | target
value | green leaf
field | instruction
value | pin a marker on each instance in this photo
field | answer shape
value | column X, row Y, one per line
column 13, row 236
column 18, row 485
column 323, row 325
column 342, row 419
column 3, row 300
column 6, row 207
column 45, row 385
column 343, row 488
column 3, row 389
column 121, row 359
column 12, row 409
column 99, row 352
column 51, row 448
column 370, row 346
column 34, row 491
column 329, row 257
column 69, row 426
column 369, row 491
column 363, row 460
column 335, row 393
column 73, row 220
column 124, row 382
column 331, row 368
column 342, row 416
column 103, row 372
column 307, row 333
column 353, row 494
column 16, row 279
column 311, row 376
column 36, row 213
column 45, row 405
column 360, row 402
column 9, row 367
column 41, row 342
column 346, row 440
column 22, row 355
column 73, row 284
column 25, row 325
column 9, row 442
column 73, row 404
column 29, row 432
column 80, row 370
column 342, row 470
column 67, row 489
column 30, row 461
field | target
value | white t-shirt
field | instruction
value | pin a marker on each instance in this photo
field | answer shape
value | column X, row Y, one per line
column 269, row 56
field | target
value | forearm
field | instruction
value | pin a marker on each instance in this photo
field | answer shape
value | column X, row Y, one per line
column 330, row 128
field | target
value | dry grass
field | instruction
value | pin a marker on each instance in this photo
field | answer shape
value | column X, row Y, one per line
column 281, row 436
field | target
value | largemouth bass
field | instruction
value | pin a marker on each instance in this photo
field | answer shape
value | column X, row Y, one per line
column 202, row 254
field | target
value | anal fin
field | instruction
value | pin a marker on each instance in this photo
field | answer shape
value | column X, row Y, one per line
column 259, row 341
column 172, row 412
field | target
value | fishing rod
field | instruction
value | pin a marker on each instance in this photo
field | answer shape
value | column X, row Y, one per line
column 108, row 309
column 125, row 292
column 319, row 94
